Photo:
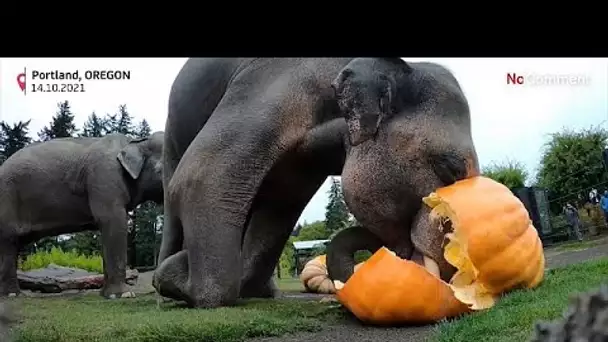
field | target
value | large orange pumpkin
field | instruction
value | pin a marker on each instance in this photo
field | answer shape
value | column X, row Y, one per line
column 493, row 245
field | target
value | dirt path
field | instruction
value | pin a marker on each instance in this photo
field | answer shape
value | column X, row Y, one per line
column 353, row 331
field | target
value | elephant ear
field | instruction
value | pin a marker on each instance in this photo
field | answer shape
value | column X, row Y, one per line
column 132, row 158
column 364, row 100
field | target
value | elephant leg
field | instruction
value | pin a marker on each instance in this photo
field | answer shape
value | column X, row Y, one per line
column 173, row 237
column 341, row 251
column 278, row 208
column 9, row 249
column 171, row 276
column 214, row 192
column 113, row 225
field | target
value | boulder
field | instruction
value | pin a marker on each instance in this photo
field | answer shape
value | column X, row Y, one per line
column 55, row 279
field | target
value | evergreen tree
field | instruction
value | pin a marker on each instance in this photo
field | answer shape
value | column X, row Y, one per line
column 147, row 237
column 143, row 130
column 336, row 214
column 13, row 138
column 94, row 126
column 62, row 125
column 121, row 122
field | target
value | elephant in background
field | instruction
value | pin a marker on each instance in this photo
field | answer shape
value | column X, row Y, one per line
column 68, row 185
column 249, row 141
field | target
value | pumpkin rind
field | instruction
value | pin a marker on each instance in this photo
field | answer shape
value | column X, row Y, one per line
column 494, row 245
column 390, row 290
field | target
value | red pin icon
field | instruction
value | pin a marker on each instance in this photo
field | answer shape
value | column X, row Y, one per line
column 21, row 81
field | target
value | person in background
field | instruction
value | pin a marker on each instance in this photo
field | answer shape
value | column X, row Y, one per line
column 573, row 221
column 604, row 204
column 594, row 196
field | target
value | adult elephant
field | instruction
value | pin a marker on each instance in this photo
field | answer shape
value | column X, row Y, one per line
column 249, row 141
column 69, row 185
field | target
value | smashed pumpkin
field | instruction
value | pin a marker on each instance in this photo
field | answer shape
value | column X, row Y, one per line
column 315, row 277
column 391, row 290
column 493, row 245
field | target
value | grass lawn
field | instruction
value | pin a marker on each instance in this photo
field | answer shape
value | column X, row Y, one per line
column 289, row 284
column 90, row 318
column 512, row 319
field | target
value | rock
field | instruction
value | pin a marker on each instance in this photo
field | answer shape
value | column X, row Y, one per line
column 55, row 279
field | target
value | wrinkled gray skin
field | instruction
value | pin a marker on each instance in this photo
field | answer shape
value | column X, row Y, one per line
column 70, row 185
column 265, row 133
column 585, row 320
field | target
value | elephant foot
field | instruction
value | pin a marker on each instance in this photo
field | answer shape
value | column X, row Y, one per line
column 171, row 280
column 10, row 294
column 171, row 277
column 267, row 289
column 11, row 290
column 116, row 291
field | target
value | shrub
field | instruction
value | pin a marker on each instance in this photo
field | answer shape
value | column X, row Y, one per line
column 59, row 257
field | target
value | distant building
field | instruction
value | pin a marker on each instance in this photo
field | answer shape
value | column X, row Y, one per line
column 303, row 251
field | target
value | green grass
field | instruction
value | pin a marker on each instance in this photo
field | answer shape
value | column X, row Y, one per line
column 513, row 317
column 289, row 284
column 93, row 319
column 59, row 257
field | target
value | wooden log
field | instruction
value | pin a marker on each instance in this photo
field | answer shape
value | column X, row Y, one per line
column 55, row 279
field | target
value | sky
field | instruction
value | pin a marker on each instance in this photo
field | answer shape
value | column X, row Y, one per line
column 509, row 121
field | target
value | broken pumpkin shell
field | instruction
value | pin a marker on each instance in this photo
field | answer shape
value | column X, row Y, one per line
column 391, row 290
column 493, row 245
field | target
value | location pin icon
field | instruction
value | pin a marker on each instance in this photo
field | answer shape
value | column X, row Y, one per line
column 21, row 81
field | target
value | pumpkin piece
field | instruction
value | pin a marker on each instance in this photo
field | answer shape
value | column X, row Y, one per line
column 390, row 290
column 494, row 245
column 315, row 277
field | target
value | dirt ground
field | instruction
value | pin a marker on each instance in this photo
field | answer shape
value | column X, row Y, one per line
column 355, row 332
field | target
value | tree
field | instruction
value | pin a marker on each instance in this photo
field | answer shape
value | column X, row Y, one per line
column 62, row 125
column 511, row 173
column 337, row 216
column 121, row 122
column 94, row 126
column 143, row 129
column 313, row 231
column 147, row 238
column 13, row 138
column 572, row 164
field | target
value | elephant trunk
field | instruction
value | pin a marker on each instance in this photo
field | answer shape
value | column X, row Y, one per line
column 341, row 251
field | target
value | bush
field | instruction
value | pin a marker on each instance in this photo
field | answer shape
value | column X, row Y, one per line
column 59, row 257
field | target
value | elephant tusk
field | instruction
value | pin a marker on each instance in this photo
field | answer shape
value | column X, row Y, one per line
column 432, row 266
column 338, row 285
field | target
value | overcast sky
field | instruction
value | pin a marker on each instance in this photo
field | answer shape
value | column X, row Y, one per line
column 509, row 121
